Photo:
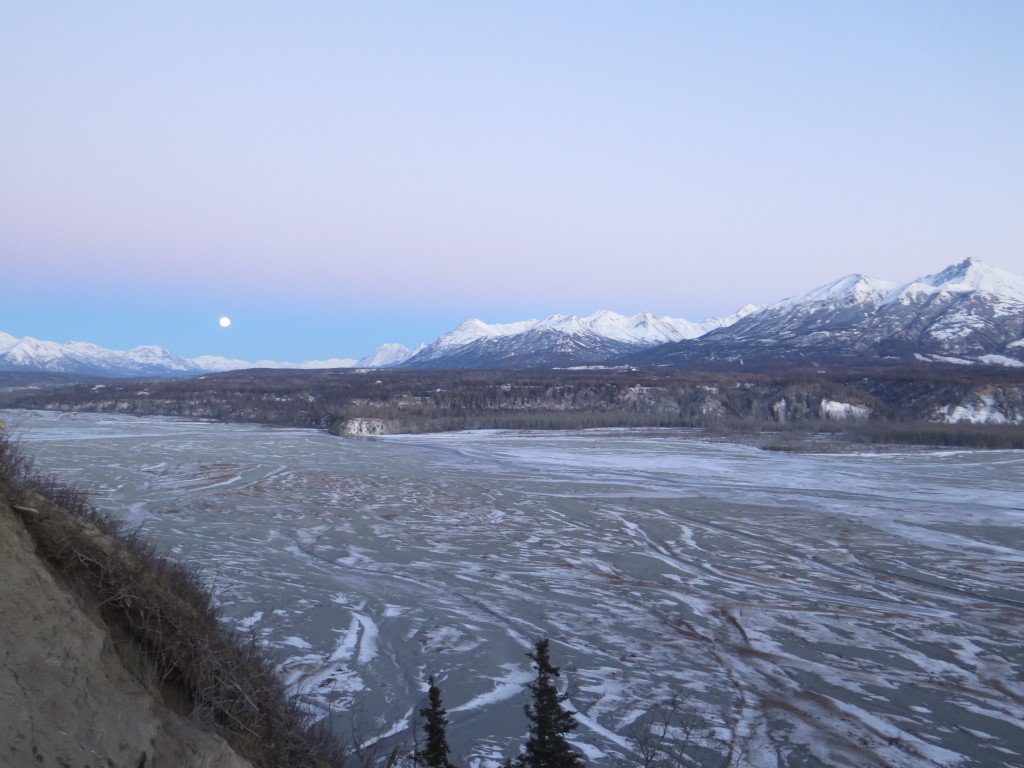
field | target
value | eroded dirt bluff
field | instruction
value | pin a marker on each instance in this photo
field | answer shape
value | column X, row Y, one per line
column 72, row 693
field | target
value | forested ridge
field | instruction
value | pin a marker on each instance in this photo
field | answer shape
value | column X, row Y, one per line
column 877, row 405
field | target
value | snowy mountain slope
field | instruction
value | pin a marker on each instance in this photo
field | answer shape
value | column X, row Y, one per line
column 558, row 340
column 538, row 347
column 7, row 342
column 973, row 275
column 852, row 289
column 968, row 311
column 466, row 333
column 387, row 355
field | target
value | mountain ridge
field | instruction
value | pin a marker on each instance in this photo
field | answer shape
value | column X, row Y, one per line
column 968, row 313
column 559, row 339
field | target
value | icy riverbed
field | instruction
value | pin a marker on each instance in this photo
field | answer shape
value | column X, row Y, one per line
column 816, row 610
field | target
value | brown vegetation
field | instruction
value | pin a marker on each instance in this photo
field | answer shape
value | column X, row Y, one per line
column 220, row 679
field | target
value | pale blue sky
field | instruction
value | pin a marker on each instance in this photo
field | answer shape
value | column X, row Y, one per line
column 339, row 175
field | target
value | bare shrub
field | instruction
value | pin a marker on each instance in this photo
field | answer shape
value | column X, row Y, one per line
column 673, row 735
column 227, row 680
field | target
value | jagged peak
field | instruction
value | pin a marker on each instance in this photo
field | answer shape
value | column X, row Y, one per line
column 561, row 322
column 604, row 314
column 7, row 342
column 472, row 323
column 387, row 355
column 855, row 287
column 973, row 274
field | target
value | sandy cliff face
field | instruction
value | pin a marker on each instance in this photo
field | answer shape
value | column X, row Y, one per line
column 71, row 694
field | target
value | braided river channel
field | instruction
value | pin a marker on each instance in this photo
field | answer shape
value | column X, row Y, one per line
column 798, row 609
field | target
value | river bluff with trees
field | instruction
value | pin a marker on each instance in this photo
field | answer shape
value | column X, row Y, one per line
column 938, row 405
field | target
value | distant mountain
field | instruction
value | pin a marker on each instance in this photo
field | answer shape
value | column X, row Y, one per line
column 213, row 363
column 559, row 340
column 968, row 313
column 83, row 358
column 387, row 356
column 77, row 357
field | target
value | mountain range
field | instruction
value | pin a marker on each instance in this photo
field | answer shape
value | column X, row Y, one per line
column 558, row 340
column 968, row 313
column 29, row 354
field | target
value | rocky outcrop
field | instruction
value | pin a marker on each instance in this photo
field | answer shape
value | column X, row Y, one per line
column 361, row 427
column 72, row 693
column 984, row 405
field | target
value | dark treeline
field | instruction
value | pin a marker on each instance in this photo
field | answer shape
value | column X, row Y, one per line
column 402, row 401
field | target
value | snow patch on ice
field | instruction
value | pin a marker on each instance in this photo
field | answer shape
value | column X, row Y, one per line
column 596, row 727
column 250, row 621
column 505, row 687
column 369, row 640
column 450, row 639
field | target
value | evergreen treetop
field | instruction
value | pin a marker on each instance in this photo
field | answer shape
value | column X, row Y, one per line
column 435, row 752
column 547, row 746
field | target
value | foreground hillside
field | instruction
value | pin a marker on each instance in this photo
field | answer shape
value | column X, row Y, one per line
column 940, row 405
column 115, row 657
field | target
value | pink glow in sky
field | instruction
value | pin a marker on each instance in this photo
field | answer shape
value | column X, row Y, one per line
column 341, row 171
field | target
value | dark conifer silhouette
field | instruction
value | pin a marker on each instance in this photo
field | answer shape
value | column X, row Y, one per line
column 547, row 746
column 435, row 752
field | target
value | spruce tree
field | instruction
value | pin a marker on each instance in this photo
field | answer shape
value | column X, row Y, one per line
column 547, row 746
column 435, row 753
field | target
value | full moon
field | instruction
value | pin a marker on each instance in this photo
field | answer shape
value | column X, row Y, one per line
column 225, row 322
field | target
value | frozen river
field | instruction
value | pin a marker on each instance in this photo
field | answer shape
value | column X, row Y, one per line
column 813, row 610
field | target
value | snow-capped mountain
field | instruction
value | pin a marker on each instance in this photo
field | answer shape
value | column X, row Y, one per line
column 558, row 340
column 80, row 357
column 29, row 354
column 968, row 312
column 387, row 356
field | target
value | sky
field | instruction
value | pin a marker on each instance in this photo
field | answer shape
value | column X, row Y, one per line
column 336, row 175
